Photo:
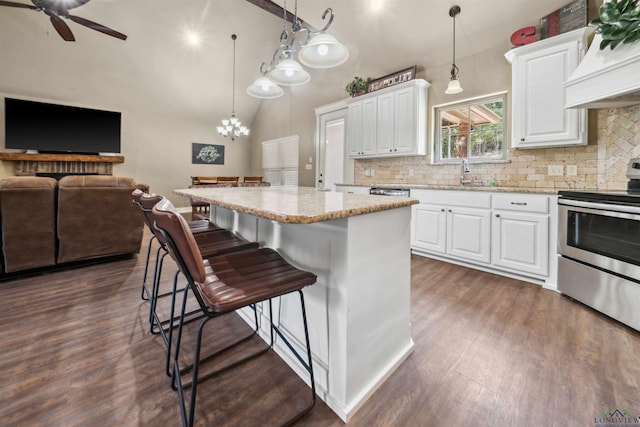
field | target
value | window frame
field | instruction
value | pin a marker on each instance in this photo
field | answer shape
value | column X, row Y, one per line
column 436, row 149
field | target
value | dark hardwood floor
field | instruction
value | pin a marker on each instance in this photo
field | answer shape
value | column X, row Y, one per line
column 489, row 351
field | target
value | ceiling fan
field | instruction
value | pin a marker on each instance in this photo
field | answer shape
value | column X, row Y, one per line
column 58, row 9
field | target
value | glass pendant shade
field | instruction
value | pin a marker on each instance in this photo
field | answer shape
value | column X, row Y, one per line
column 323, row 51
column 289, row 73
column 454, row 87
column 265, row 88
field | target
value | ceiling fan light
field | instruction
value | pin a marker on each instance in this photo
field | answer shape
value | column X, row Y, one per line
column 454, row 87
column 289, row 73
column 323, row 51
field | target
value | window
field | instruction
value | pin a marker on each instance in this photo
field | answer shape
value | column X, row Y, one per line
column 280, row 161
column 473, row 129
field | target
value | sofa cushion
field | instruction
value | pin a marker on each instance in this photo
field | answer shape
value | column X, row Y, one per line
column 96, row 217
column 27, row 221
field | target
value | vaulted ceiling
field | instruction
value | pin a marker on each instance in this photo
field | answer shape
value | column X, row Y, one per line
column 382, row 36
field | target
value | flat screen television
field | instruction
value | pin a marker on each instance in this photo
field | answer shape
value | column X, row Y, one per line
column 54, row 128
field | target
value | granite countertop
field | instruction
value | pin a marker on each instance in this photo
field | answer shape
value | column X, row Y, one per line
column 459, row 188
column 295, row 205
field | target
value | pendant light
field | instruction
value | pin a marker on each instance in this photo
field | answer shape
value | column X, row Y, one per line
column 232, row 126
column 317, row 50
column 454, row 83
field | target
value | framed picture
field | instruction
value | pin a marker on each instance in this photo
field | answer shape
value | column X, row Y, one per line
column 392, row 79
column 207, row 154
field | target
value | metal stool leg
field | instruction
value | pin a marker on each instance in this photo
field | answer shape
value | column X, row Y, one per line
column 145, row 292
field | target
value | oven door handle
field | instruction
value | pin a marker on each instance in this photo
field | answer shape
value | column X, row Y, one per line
column 600, row 206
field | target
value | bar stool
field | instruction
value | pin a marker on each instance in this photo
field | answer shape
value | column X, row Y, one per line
column 211, row 240
column 197, row 226
column 222, row 285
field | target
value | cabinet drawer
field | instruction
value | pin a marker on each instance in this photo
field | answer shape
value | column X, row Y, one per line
column 465, row 198
column 521, row 203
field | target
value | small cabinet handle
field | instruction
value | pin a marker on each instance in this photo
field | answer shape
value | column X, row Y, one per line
column 497, row 215
column 521, row 139
column 450, row 210
column 443, row 210
column 519, row 203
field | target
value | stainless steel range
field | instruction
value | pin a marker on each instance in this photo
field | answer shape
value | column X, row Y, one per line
column 599, row 249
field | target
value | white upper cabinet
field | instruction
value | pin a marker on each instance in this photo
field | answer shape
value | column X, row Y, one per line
column 389, row 122
column 539, row 70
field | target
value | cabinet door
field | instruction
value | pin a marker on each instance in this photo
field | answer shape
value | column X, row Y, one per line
column 386, row 123
column 429, row 228
column 539, row 116
column 520, row 241
column 405, row 121
column 468, row 234
column 354, row 129
column 369, row 128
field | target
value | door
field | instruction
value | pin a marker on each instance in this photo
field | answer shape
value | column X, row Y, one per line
column 334, row 165
column 385, row 124
column 429, row 229
column 521, row 241
column 468, row 232
column 354, row 125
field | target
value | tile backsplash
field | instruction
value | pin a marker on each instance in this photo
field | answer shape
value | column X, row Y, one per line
column 600, row 166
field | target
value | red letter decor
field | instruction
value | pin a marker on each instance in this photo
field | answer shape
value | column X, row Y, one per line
column 523, row 36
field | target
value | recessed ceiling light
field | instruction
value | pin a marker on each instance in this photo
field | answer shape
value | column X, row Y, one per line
column 193, row 38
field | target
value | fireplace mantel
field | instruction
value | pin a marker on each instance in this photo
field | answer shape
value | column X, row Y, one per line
column 37, row 157
column 30, row 164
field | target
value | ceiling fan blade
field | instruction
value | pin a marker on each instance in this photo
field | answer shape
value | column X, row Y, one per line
column 97, row 27
column 14, row 4
column 62, row 28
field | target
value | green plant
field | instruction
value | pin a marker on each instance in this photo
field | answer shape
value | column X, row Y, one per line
column 357, row 85
column 618, row 23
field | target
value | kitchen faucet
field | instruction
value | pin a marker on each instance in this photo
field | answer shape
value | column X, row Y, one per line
column 464, row 168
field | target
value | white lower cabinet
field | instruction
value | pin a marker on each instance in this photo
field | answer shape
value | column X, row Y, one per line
column 520, row 241
column 448, row 224
column 468, row 232
column 429, row 228
column 520, row 232
column 505, row 232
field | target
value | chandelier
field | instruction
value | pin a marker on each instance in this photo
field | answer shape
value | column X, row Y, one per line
column 317, row 50
column 232, row 126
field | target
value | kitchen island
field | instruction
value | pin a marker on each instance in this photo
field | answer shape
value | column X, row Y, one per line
column 359, row 247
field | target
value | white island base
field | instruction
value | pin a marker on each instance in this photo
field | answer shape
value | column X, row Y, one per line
column 358, row 311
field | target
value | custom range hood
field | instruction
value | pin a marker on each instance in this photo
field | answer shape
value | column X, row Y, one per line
column 605, row 78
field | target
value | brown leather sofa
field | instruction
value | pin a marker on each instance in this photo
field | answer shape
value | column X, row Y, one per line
column 45, row 223
column 27, row 223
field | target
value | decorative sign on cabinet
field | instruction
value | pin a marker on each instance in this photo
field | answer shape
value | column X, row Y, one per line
column 389, row 122
column 539, row 70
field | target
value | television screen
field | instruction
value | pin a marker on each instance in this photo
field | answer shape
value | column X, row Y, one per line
column 53, row 128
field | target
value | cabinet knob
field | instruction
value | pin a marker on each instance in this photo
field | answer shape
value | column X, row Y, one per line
column 497, row 215
column 443, row 210
column 450, row 210
column 521, row 139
